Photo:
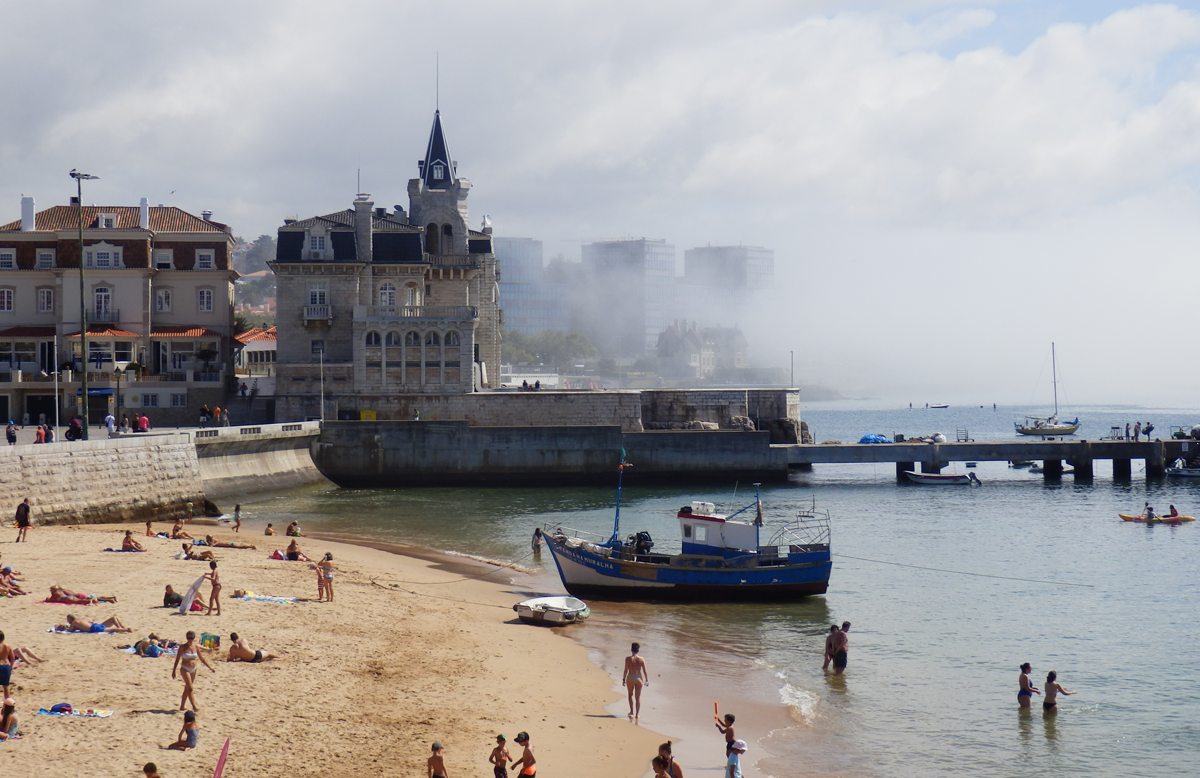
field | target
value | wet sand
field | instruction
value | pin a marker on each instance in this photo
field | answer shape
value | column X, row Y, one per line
column 409, row 653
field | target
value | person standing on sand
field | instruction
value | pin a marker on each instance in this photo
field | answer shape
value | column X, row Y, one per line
column 437, row 767
column 527, row 762
column 500, row 757
column 325, row 577
column 833, row 630
column 237, row 517
column 214, row 597
column 22, row 520
column 634, row 678
column 726, row 729
column 841, row 648
column 1027, row 690
column 185, row 661
column 733, row 762
column 6, row 663
column 1053, row 689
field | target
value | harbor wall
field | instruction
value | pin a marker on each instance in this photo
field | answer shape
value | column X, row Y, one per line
column 267, row 457
column 397, row 453
column 718, row 405
column 101, row 481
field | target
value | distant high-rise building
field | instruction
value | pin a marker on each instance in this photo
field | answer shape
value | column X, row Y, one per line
column 729, row 267
column 530, row 303
column 630, row 294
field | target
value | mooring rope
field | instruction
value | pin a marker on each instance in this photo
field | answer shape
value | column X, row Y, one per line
column 961, row 572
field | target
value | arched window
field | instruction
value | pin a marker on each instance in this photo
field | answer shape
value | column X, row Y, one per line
column 393, row 338
column 412, row 295
column 431, row 239
column 412, row 339
column 387, row 295
column 432, row 339
column 447, row 239
column 372, row 338
column 452, row 338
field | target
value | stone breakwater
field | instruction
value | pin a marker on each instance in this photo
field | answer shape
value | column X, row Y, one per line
column 103, row 481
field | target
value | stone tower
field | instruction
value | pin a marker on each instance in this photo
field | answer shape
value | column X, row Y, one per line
column 438, row 199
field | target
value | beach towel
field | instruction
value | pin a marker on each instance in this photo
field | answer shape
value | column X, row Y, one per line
column 191, row 595
column 250, row 597
column 124, row 550
column 161, row 650
column 95, row 714
column 278, row 555
column 56, row 602
column 56, row 631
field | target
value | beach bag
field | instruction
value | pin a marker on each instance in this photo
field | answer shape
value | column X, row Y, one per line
column 210, row 641
column 278, row 555
column 62, row 707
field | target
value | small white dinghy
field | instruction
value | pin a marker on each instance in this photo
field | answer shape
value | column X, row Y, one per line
column 552, row 610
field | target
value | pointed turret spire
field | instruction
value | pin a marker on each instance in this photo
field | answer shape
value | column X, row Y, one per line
column 437, row 169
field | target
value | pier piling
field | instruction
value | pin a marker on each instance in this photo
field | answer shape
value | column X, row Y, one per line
column 901, row 467
column 1122, row 469
column 1052, row 469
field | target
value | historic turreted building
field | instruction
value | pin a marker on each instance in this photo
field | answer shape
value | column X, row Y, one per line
column 375, row 303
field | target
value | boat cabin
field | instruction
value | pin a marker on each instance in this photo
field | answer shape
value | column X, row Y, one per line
column 707, row 533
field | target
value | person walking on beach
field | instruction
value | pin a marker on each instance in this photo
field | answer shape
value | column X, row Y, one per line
column 841, row 648
column 733, row 762
column 6, row 663
column 437, row 767
column 185, row 661
column 634, row 678
column 214, row 597
column 672, row 768
column 527, row 762
column 1053, row 689
column 500, row 757
column 833, row 630
column 237, row 517
column 1027, row 690
column 22, row 520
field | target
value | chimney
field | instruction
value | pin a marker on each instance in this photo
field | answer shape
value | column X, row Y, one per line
column 381, row 212
column 144, row 214
column 27, row 211
column 74, row 201
column 400, row 214
column 289, row 221
column 362, row 226
column 207, row 215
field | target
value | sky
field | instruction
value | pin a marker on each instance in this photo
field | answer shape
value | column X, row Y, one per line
column 948, row 186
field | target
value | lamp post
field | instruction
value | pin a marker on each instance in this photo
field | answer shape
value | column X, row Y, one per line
column 117, row 372
column 323, row 382
column 792, row 356
column 57, row 396
column 83, row 342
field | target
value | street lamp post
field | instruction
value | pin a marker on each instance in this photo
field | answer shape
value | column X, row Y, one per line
column 83, row 342
column 117, row 373
column 792, row 355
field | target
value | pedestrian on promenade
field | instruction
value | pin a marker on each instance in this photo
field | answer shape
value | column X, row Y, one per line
column 23, row 522
column 500, row 757
column 633, row 679
column 1027, row 690
column 110, row 423
column 204, row 414
column 143, row 423
column 39, row 434
column 10, row 433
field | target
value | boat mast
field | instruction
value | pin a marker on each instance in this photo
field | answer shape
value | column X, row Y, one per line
column 1054, row 378
column 613, row 541
column 758, row 519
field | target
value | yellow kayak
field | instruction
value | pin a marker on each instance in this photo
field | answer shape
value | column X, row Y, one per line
column 1140, row 517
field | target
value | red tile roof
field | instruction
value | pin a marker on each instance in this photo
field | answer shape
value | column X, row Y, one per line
column 101, row 331
column 183, row 331
column 255, row 335
column 27, row 332
column 162, row 219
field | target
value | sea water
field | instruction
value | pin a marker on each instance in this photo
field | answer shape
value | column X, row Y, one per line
column 949, row 590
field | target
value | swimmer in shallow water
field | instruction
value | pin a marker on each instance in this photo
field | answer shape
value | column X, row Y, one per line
column 1053, row 689
column 1027, row 690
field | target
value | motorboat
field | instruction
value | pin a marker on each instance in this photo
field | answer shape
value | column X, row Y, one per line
column 1043, row 426
column 1182, row 471
column 553, row 611
column 942, row 479
column 721, row 559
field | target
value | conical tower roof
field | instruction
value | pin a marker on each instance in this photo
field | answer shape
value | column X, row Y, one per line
column 437, row 158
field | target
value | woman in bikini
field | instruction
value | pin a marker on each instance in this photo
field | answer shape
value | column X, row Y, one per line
column 634, row 678
column 129, row 544
column 671, row 767
column 1027, row 690
column 177, row 532
column 1053, row 689
column 527, row 762
column 186, row 661
column 214, row 597
column 325, row 577
column 208, row 540
column 61, row 595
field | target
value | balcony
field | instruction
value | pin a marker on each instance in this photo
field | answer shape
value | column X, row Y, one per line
column 104, row 316
column 318, row 313
column 410, row 312
column 454, row 260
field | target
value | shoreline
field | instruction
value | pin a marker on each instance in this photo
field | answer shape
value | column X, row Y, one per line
column 366, row 682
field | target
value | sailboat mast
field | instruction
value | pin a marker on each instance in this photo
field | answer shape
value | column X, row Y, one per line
column 1054, row 374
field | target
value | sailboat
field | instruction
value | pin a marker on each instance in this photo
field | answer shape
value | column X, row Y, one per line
column 1043, row 426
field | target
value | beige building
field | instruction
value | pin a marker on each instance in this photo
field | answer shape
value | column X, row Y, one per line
column 374, row 304
column 158, row 292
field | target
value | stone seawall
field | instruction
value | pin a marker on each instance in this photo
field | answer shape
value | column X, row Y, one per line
column 245, row 460
column 101, row 481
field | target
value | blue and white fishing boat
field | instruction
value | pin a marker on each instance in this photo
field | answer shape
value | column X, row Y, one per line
column 721, row 559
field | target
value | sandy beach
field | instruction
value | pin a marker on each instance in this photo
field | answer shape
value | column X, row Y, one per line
column 408, row 653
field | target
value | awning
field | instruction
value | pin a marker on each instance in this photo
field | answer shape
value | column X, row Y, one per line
column 27, row 332
column 183, row 331
column 104, row 332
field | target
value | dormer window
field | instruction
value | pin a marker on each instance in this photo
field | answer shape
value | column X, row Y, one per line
column 316, row 246
column 103, row 255
column 204, row 260
column 8, row 259
column 439, row 172
column 107, row 221
column 162, row 259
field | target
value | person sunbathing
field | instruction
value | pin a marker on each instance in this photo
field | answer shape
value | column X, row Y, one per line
column 59, row 594
column 226, row 544
column 8, row 582
column 129, row 544
column 294, row 554
column 26, row 656
column 197, row 556
column 240, row 651
column 177, row 532
column 111, row 624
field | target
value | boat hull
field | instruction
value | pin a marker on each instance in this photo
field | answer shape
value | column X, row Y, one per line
column 1160, row 520
column 937, row 479
column 1184, row 472
column 592, row 575
column 1057, row 429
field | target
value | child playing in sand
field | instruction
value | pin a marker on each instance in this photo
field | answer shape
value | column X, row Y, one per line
column 437, row 768
column 189, row 735
column 727, row 730
column 151, row 770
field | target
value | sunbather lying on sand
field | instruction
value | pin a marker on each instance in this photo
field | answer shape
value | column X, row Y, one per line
column 239, row 650
column 177, row 532
column 111, row 624
column 67, row 597
column 206, row 556
column 225, row 544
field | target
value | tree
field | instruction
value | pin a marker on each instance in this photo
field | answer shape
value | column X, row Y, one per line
column 548, row 347
column 256, row 256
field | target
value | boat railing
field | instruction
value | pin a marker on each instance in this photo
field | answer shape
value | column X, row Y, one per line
column 810, row 531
